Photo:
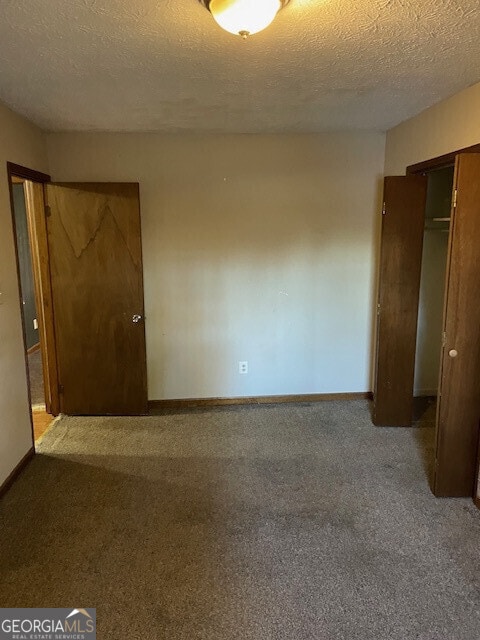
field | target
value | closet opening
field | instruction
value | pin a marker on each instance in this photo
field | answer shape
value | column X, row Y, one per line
column 28, row 218
column 432, row 292
column 428, row 312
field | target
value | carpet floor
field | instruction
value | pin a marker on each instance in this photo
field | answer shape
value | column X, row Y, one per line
column 274, row 522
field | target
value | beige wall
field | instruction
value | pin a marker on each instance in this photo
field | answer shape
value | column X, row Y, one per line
column 257, row 248
column 450, row 125
column 22, row 143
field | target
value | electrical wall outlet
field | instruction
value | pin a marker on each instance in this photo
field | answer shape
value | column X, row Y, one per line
column 243, row 367
column 35, row 324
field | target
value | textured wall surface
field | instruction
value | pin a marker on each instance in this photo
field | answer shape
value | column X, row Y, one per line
column 22, row 143
column 166, row 65
column 259, row 248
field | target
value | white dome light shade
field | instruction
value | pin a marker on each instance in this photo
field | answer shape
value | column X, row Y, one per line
column 244, row 17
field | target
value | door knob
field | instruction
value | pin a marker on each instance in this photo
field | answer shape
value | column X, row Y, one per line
column 136, row 318
column 453, row 353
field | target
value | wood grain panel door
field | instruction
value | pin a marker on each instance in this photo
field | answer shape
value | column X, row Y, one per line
column 397, row 309
column 458, row 411
column 97, row 287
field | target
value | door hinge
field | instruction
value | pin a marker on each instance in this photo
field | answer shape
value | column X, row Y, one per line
column 444, row 339
column 455, row 193
column 384, row 209
column 48, row 211
column 379, row 307
column 61, row 388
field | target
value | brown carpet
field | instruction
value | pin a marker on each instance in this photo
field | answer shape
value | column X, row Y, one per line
column 291, row 522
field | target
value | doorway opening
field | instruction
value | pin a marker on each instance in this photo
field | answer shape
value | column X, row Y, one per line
column 26, row 190
column 29, row 304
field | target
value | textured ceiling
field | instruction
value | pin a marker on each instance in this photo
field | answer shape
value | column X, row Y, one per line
column 164, row 65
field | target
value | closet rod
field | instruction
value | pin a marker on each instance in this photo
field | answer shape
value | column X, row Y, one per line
column 441, row 219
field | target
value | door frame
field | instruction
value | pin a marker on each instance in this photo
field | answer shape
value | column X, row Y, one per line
column 38, row 242
column 440, row 162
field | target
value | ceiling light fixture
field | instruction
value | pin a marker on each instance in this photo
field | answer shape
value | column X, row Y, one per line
column 244, row 17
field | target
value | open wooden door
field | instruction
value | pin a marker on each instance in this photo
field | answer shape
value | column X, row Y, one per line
column 397, row 309
column 458, row 411
column 97, row 288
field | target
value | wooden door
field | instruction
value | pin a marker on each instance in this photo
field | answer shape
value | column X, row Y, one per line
column 458, row 411
column 97, row 287
column 397, row 309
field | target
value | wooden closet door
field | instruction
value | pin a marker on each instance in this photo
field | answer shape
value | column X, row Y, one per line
column 458, row 411
column 97, row 286
column 397, row 309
